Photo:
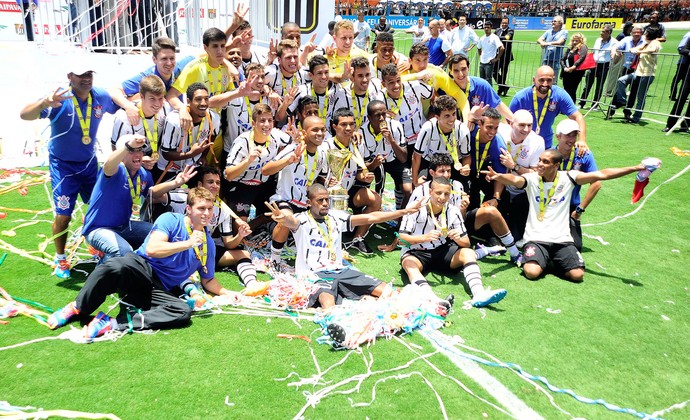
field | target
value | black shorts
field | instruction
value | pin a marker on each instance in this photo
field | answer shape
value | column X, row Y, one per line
column 220, row 250
column 565, row 257
column 470, row 217
column 342, row 284
column 437, row 258
column 240, row 197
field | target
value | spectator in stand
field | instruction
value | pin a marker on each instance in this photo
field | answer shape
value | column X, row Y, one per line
column 602, row 57
column 682, row 75
column 573, row 58
column 552, row 42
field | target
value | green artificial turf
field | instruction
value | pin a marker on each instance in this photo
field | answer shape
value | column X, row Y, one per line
column 621, row 336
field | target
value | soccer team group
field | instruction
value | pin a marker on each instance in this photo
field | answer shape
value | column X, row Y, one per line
column 201, row 144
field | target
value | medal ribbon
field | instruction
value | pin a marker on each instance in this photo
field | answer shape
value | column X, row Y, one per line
column 378, row 137
column 292, row 83
column 327, row 235
column 134, row 192
column 202, row 253
column 566, row 166
column 85, row 123
column 480, row 161
column 519, row 150
column 310, row 173
column 357, row 110
column 452, row 144
column 249, row 107
column 543, row 203
column 151, row 134
column 322, row 112
column 443, row 224
column 396, row 102
column 540, row 120
column 342, row 146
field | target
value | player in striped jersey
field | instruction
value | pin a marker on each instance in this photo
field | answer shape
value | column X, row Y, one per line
column 319, row 88
column 357, row 94
column 152, row 110
column 355, row 179
column 286, row 73
column 404, row 100
column 181, row 148
column 299, row 165
column 443, row 134
column 250, row 152
column 436, row 237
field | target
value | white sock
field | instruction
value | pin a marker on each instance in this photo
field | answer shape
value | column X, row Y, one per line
column 473, row 278
column 60, row 257
column 276, row 250
column 509, row 243
column 246, row 271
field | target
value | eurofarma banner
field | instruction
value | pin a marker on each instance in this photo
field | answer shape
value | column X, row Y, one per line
column 592, row 24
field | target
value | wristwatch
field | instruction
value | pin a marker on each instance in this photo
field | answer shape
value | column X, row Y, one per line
column 579, row 210
column 516, row 168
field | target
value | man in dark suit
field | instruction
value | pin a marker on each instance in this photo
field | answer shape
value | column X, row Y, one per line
column 500, row 73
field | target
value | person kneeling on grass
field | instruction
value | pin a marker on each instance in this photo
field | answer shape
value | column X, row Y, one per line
column 318, row 239
column 436, row 237
column 150, row 279
column 547, row 233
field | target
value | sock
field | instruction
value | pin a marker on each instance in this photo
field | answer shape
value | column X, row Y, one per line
column 481, row 252
column 473, row 278
column 60, row 257
column 246, row 271
column 509, row 243
column 419, row 280
column 399, row 196
column 276, row 250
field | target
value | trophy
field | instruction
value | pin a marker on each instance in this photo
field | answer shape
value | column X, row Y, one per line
column 337, row 159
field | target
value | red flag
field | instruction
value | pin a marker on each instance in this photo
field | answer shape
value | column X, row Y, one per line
column 638, row 190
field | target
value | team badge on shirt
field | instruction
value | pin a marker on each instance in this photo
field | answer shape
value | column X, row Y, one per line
column 97, row 111
column 553, row 105
column 577, row 166
column 476, row 100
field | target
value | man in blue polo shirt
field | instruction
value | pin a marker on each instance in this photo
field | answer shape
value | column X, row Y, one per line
column 75, row 114
column 150, row 280
column 439, row 47
column 476, row 89
column 552, row 43
column 165, row 66
column 113, row 224
column 566, row 133
column 545, row 101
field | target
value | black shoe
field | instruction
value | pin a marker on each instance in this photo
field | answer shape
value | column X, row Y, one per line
column 450, row 299
column 582, row 105
column 627, row 114
column 666, row 129
column 611, row 112
column 337, row 334
column 361, row 246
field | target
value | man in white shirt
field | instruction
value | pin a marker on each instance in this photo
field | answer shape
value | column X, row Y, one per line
column 419, row 31
column 362, row 32
column 463, row 38
column 490, row 49
column 523, row 148
column 549, row 192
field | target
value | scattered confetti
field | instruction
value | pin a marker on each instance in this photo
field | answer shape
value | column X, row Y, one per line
column 665, row 318
column 676, row 251
column 20, row 365
column 553, row 311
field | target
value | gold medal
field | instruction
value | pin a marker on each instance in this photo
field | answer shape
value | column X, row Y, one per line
column 136, row 208
column 444, row 232
column 86, row 140
column 537, row 130
column 155, row 156
column 540, row 216
column 332, row 257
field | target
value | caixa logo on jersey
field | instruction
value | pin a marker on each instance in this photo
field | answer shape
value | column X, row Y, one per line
column 553, row 201
column 318, row 243
column 305, row 13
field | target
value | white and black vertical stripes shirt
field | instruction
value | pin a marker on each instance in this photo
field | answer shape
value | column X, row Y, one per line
column 240, row 150
column 420, row 223
column 430, row 140
column 381, row 147
column 292, row 179
column 342, row 98
column 121, row 125
column 273, row 78
column 173, row 139
column 313, row 252
column 306, row 90
column 410, row 114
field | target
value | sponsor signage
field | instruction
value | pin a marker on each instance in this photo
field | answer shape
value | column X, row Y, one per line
column 592, row 24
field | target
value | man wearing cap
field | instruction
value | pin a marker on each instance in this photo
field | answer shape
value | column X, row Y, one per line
column 112, row 225
column 75, row 114
column 549, row 190
column 566, row 134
